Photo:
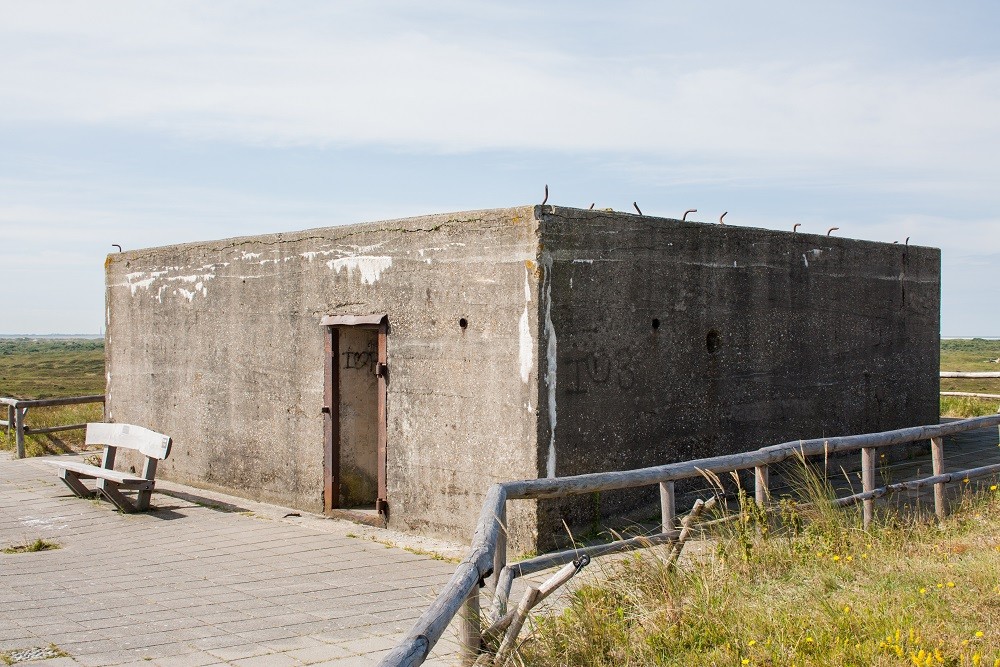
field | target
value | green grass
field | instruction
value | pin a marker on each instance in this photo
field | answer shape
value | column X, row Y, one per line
column 810, row 589
column 970, row 355
column 52, row 368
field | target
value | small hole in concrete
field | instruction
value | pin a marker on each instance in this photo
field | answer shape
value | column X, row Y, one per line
column 462, row 322
column 656, row 323
column 713, row 341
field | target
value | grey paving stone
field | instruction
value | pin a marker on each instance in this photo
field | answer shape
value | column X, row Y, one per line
column 270, row 660
column 246, row 649
column 202, row 588
column 314, row 654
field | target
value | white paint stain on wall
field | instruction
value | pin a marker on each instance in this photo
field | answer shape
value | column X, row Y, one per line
column 550, row 356
column 370, row 267
column 527, row 345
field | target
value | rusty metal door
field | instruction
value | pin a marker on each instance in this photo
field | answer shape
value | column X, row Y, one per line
column 341, row 331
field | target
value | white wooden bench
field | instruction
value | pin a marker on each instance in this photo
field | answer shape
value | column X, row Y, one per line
column 152, row 445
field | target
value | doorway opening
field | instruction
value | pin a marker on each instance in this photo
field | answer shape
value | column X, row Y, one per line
column 354, row 425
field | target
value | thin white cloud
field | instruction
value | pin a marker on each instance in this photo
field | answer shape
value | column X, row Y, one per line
column 361, row 76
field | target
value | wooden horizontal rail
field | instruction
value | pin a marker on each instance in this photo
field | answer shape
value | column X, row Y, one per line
column 53, row 429
column 967, row 394
column 970, row 374
column 558, row 487
column 917, row 484
column 545, row 561
column 17, row 409
column 471, row 573
column 49, row 402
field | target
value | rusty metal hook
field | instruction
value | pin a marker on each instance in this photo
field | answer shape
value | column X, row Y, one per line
column 115, row 245
column 907, row 241
column 637, row 208
column 685, row 216
column 831, row 230
column 796, row 226
column 591, row 206
column 722, row 216
column 546, row 194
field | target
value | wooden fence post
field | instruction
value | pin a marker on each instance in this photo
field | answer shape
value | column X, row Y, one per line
column 868, row 482
column 937, row 467
column 500, row 555
column 10, row 419
column 761, row 490
column 470, row 632
column 19, row 429
column 668, row 506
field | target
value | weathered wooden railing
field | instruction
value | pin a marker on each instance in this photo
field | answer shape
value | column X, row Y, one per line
column 487, row 559
column 970, row 375
column 16, row 409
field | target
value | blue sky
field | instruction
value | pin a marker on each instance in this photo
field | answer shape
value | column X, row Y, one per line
column 162, row 122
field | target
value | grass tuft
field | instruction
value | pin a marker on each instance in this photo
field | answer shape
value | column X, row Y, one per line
column 30, row 547
column 807, row 586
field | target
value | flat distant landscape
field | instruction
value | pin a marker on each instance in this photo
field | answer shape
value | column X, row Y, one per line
column 73, row 365
column 51, row 367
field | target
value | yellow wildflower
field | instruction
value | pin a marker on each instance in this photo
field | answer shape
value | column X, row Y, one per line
column 979, row 633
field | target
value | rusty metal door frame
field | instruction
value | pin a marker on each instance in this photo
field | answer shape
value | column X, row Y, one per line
column 331, row 406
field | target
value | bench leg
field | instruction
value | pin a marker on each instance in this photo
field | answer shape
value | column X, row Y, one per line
column 142, row 500
column 110, row 491
column 75, row 485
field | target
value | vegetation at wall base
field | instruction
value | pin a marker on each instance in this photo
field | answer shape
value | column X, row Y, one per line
column 808, row 587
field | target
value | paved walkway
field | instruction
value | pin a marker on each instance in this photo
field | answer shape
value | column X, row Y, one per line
column 190, row 584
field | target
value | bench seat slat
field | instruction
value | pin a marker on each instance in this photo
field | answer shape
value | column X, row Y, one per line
column 95, row 472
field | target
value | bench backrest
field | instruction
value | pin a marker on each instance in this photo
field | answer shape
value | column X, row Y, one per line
column 150, row 443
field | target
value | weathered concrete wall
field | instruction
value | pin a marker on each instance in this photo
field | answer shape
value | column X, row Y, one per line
column 219, row 345
column 640, row 340
column 685, row 340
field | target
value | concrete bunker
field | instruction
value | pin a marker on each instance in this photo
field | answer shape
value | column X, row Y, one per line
column 406, row 365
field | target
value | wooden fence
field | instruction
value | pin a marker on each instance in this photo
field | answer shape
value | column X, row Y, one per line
column 971, row 375
column 16, row 412
column 486, row 562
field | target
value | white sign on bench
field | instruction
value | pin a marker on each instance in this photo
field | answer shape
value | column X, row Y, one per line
column 152, row 445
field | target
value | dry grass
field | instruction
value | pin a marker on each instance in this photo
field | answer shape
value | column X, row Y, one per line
column 31, row 547
column 810, row 588
column 964, row 406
